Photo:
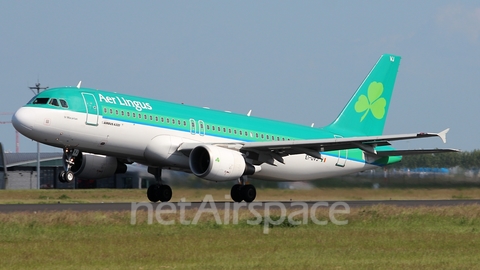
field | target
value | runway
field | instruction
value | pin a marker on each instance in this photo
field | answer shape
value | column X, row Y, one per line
column 90, row 207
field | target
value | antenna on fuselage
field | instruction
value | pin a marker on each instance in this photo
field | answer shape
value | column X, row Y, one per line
column 79, row 84
column 249, row 113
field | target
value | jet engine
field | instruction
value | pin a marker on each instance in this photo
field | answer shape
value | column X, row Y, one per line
column 218, row 164
column 87, row 165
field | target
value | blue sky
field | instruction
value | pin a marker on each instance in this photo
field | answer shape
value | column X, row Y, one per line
column 292, row 61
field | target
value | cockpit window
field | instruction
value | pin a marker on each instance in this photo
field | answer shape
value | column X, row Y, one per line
column 31, row 100
column 54, row 102
column 63, row 103
column 41, row 101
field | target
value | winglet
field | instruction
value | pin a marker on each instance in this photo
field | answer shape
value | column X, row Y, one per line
column 79, row 84
column 443, row 135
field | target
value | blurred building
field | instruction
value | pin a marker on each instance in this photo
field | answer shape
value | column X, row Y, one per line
column 19, row 171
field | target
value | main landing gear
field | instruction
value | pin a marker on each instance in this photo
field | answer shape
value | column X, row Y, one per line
column 242, row 192
column 159, row 191
column 69, row 156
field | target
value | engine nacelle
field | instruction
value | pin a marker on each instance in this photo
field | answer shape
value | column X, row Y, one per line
column 218, row 164
column 94, row 166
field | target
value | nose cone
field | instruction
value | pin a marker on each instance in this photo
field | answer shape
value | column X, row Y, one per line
column 23, row 120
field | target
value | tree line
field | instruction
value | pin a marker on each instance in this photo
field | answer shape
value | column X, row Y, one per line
column 466, row 160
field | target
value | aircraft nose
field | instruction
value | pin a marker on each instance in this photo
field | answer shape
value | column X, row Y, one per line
column 23, row 120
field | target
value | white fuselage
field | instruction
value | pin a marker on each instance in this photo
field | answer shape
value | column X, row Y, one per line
column 127, row 140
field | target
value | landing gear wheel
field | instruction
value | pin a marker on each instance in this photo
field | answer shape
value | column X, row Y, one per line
column 165, row 193
column 61, row 177
column 248, row 193
column 236, row 193
column 69, row 177
column 153, row 192
column 159, row 192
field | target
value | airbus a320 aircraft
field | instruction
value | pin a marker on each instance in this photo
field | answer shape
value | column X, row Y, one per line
column 100, row 132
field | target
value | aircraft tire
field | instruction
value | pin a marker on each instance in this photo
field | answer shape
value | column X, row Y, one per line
column 153, row 193
column 249, row 193
column 165, row 193
column 236, row 193
column 61, row 177
column 69, row 177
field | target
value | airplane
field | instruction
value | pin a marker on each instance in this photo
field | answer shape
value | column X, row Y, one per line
column 100, row 132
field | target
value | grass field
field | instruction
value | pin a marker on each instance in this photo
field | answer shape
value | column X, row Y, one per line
column 317, row 194
column 378, row 237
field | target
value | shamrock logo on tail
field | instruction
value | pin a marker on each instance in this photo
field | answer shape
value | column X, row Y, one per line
column 373, row 102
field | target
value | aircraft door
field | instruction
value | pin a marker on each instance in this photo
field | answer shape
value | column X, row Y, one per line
column 91, row 107
column 342, row 156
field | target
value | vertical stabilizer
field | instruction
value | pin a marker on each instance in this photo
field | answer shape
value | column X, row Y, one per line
column 367, row 110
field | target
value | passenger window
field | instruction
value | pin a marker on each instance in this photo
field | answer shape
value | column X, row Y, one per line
column 54, row 102
column 63, row 103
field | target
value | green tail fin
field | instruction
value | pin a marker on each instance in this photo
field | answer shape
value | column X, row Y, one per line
column 367, row 110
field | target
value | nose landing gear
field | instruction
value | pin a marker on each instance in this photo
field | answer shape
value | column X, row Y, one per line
column 69, row 156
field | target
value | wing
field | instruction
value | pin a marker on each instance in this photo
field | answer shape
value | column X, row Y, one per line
column 276, row 150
